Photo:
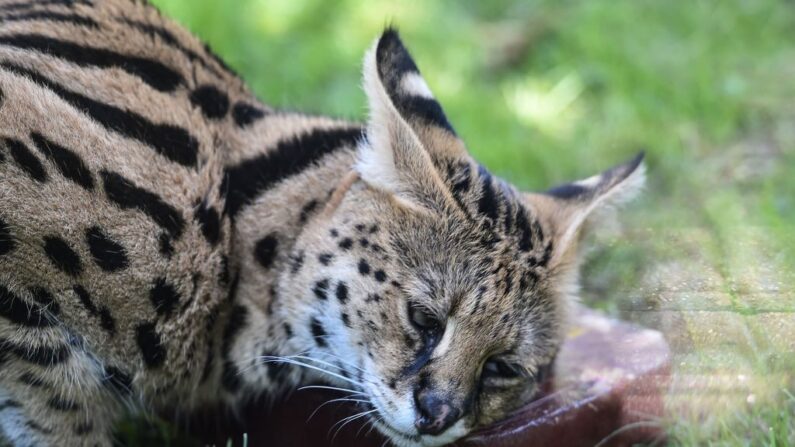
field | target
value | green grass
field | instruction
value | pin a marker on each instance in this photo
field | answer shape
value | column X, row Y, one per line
column 549, row 91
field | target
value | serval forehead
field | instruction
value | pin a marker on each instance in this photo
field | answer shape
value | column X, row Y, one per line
column 492, row 217
column 502, row 255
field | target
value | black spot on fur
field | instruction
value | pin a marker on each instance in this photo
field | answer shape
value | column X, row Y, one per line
column 31, row 380
column 321, row 289
column 364, row 242
column 525, row 235
column 106, row 320
column 128, row 196
column 7, row 242
column 265, row 250
column 68, row 163
column 508, row 217
column 152, row 350
column 164, row 297
column 42, row 355
column 346, row 243
column 288, row 330
column 547, row 254
column 359, row 227
column 60, row 404
column 380, row 275
column 364, row 267
column 152, row 72
column 232, row 293
column 410, row 342
column 248, row 179
column 334, row 233
column 36, row 427
column 108, row 254
column 173, row 142
column 209, row 221
column 165, row 248
column 342, row 292
column 245, row 114
column 318, row 332
column 276, row 370
column 213, row 103
column 83, row 428
column 487, row 204
column 296, row 262
column 478, row 300
column 14, row 309
column 461, row 186
column 373, row 297
column 324, row 258
column 45, row 298
column 346, row 320
column 25, row 159
column 117, row 379
column 224, row 274
column 307, row 210
column 62, row 256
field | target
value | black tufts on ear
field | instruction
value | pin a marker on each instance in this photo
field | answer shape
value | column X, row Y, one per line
column 403, row 83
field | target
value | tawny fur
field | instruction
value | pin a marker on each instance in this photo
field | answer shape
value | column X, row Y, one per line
column 109, row 302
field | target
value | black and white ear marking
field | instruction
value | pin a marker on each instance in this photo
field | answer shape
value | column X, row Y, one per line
column 405, row 85
column 600, row 184
column 568, row 207
column 395, row 156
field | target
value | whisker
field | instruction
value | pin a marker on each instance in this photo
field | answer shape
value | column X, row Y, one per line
column 341, row 399
column 288, row 360
column 370, row 379
column 347, row 421
column 324, row 387
column 347, row 362
column 370, row 423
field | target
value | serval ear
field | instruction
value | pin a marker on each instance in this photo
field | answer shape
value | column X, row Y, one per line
column 408, row 134
column 570, row 207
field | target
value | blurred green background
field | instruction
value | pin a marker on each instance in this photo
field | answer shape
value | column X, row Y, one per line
column 549, row 91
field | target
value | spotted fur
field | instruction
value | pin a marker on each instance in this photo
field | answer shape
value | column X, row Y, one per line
column 167, row 241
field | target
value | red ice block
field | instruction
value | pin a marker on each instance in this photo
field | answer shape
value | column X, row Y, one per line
column 608, row 387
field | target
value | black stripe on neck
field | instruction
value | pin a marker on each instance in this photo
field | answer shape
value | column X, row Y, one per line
column 245, row 181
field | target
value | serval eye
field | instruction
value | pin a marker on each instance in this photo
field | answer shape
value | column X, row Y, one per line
column 422, row 319
column 499, row 369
